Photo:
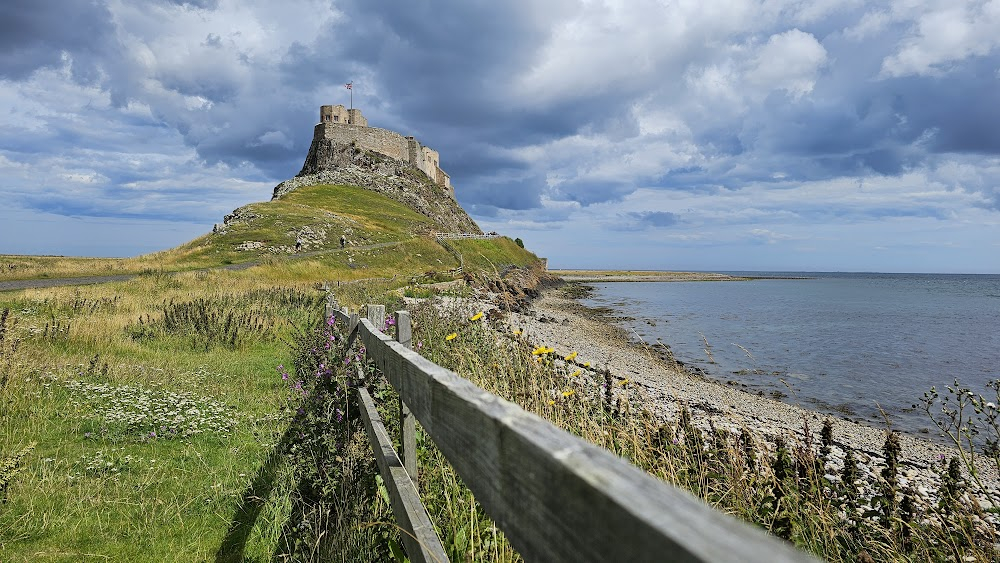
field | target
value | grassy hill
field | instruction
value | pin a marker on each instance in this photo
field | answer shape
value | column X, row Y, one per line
column 137, row 416
column 266, row 233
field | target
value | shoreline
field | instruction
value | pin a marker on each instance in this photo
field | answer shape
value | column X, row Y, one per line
column 625, row 276
column 661, row 385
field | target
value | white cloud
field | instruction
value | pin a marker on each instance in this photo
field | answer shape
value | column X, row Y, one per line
column 790, row 61
column 945, row 34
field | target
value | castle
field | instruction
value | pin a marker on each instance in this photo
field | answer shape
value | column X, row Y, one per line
column 339, row 125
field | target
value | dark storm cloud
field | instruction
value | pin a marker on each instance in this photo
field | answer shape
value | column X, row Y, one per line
column 454, row 73
column 35, row 33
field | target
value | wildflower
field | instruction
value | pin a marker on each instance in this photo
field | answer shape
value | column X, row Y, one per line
column 516, row 332
column 477, row 316
column 586, row 364
column 575, row 373
column 451, row 336
column 551, row 402
column 624, row 381
column 568, row 392
column 570, row 357
column 542, row 350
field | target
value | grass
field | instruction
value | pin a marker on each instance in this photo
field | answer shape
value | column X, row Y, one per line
column 207, row 414
column 144, row 420
column 324, row 211
column 174, row 440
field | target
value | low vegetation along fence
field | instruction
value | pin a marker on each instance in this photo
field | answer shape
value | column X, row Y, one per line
column 555, row 496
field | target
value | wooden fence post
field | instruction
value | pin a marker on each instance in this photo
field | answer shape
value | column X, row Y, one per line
column 376, row 314
column 407, row 424
column 331, row 304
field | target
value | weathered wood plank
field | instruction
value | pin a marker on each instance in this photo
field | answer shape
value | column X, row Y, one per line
column 407, row 424
column 423, row 545
column 556, row 496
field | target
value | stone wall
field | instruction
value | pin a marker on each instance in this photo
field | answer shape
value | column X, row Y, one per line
column 342, row 126
column 381, row 141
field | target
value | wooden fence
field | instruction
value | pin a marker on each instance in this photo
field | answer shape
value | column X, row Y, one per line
column 555, row 496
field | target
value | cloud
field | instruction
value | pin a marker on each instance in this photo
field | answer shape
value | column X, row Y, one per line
column 654, row 218
column 789, row 61
column 943, row 35
column 38, row 34
column 721, row 116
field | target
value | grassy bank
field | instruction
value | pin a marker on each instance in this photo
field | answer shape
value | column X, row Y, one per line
column 137, row 418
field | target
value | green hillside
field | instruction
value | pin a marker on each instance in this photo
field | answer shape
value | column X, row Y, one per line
column 385, row 237
column 139, row 416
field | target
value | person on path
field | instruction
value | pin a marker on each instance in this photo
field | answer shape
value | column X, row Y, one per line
column 298, row 244
column 343, row 241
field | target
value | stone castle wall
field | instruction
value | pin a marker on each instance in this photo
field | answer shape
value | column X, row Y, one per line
column 381, row 141
column 345, row 126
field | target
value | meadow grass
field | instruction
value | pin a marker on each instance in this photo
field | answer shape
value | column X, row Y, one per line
column 146, row 420
column 126, row 438
column 142, row 445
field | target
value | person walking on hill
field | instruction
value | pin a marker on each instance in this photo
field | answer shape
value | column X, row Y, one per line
column 343, row 241
column 298, row 244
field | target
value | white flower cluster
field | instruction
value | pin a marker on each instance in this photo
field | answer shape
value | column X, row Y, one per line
column 108, row 463
column 151, row 413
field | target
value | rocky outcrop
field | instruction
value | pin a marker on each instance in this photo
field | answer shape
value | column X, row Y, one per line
column 346, row 164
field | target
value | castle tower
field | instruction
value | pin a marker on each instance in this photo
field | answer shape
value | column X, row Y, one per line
column 338, row 114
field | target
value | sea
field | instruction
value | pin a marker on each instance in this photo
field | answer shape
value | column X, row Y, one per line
column 854, row 345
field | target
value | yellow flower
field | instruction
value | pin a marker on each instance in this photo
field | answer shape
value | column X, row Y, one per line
column 586, row 364
column 552, row 402
column 517, row 332
column 571, row 357
column 451, row 336
column 568, row 392
column 542, row 350
column 624, row 381
column 575, row 373
column 477, row 316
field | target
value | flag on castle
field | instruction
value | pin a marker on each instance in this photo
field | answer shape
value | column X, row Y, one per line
column 348, row 85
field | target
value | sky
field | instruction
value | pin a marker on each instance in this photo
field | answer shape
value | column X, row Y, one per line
column 831, row 135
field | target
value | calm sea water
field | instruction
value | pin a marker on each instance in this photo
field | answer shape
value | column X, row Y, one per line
column 839, row 343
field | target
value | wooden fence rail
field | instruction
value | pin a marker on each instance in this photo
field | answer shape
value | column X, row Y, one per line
column 555, row 496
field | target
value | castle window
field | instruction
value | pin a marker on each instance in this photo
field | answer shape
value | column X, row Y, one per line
column 336, row 118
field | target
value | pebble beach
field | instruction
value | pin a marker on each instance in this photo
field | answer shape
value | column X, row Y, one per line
column 650, row 379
